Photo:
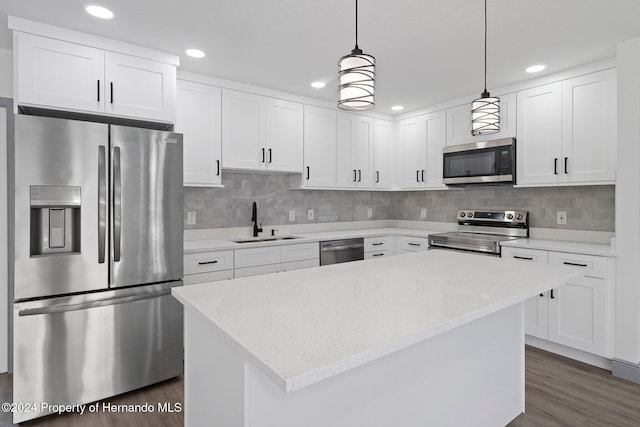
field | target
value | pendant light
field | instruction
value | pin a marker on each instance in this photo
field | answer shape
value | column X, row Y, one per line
column 356, row 78
column 485, row 111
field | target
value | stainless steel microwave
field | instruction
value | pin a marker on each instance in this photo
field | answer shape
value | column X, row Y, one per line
column 487, row 162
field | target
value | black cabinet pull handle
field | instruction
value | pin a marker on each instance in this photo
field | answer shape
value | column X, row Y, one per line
column 378, row 254
column 422, row 175
column 575, row 264
column 263, row 158
column 378, row 244
column 541, row 295
column 111, row 91
column 552, row 297
column 523, row 257
column 208, row 262
column 555, row 166
column 414, row 244
column 308, row 172
column 377, row 177
column 270, row 159
column 359, row 175
column 355, row 175
column 218, row 166
column 566, row 159
column 98, row 90
column 418, row 176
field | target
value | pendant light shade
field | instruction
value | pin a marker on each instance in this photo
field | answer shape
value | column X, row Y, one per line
column 485, row 111
column 356, row 78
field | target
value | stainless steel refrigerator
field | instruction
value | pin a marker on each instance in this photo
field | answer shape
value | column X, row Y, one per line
column 97, row 247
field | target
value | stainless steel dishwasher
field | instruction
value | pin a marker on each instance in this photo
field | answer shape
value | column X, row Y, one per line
column 345, row 250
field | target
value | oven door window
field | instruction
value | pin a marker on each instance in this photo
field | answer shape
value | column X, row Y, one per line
column 470, row 163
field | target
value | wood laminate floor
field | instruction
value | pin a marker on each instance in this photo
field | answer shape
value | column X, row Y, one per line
column 559, row 392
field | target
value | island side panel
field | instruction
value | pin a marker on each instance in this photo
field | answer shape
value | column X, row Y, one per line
column 214, row 376
column 470, row 375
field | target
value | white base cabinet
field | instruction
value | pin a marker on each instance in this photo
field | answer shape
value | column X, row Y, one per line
column 275, row 259
column 208, row 267
column 378, row 247
column 409, row 244
column 577, row 314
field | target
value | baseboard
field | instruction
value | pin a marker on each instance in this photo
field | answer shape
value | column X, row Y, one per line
column 571, row 353
column 626, row 370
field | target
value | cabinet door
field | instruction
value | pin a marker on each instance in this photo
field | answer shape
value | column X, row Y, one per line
column 198, row 118
column 589, row 122
column 539, row 133
column 319, row 147
column 139, row 87
column 53, row 73
column 536, row 309
column 256, row 271
column 380, row 171
column 413, row 142
column 252, row 257
column 577, row 315
column 435, row 132
column 284, row 127
column 243, row 131
column 459, row 122
column 354, row 141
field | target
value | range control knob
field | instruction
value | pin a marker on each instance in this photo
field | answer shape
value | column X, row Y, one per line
column 462, row 214
column 509, row 216
column 470, row 214
column 519, row 217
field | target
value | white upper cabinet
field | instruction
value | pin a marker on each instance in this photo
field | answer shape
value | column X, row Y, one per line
column 412, row 136
column 319, row 147
column 381, row 169
column 459, row 122
column 260, row 133
column 435, row 132
column 198, row 118
column 354, row 150
column 567, row 131
column 62, row 75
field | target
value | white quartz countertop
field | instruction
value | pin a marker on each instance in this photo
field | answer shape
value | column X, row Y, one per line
column 599, row 249
column 196, row 246
column 303, row 326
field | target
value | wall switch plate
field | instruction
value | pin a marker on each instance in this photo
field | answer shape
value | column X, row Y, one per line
column 423, row 213
column 369, row 213
column 562, row 218
column 191, row 218
column 292, row 215
column 310, row 215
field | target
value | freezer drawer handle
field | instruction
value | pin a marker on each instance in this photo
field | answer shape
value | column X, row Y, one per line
column 208, row 262
column 341, row 248
column 91, row 304
column 102, row 203
column 117, row 204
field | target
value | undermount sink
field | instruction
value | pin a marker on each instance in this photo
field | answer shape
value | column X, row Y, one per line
column 265, row 239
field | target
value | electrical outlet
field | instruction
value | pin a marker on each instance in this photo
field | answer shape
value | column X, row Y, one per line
column 562, row 218
column 191, row 218
column 423, row 213
column 369, row 213
column 292, row 215
column 310, row 215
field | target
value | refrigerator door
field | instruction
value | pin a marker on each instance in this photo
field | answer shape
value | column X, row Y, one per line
column 60, row 206
column 83, row 348
column 147, row 206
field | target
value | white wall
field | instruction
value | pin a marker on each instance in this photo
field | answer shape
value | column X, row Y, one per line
column 6, row 73
column 627, row 293
column 4, row 289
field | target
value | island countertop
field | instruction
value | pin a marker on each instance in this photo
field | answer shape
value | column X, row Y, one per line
column 303, row 326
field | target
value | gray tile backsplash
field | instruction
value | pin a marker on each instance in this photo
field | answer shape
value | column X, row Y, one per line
column 587, row 207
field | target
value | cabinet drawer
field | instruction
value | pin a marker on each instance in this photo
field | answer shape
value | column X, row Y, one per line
column 208, row 261
column 257, row 256
column 299, row 252
column 414, row 244
column 299, row 265
column 376, row 254
column 524, row 254
column 597, row 264
column 377, row 244
column 257, row 270
column 213, row 276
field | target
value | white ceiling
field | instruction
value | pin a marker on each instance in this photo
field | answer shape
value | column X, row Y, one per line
column 427, row 51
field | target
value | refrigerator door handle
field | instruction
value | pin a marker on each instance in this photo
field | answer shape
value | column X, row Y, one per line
column 117, row 204
column 63, row 308
column 102, row 202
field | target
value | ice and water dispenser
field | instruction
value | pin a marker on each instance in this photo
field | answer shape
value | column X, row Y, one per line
column 55, row 219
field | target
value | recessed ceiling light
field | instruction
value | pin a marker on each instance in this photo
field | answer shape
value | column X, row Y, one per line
column 397, row 108
column 98, row 11
column 535, row 68
column 318, row 85
column 195, row 53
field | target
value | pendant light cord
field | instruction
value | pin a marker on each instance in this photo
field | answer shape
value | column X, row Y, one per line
column 357, row 23
column 485, row 44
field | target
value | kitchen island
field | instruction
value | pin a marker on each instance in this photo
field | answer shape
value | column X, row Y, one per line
column 431, row 338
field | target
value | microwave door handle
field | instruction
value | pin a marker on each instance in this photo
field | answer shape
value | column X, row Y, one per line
column 117, row 204
column 102, row 203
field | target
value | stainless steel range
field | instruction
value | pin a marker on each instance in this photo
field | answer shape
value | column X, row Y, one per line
column 482, row 231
